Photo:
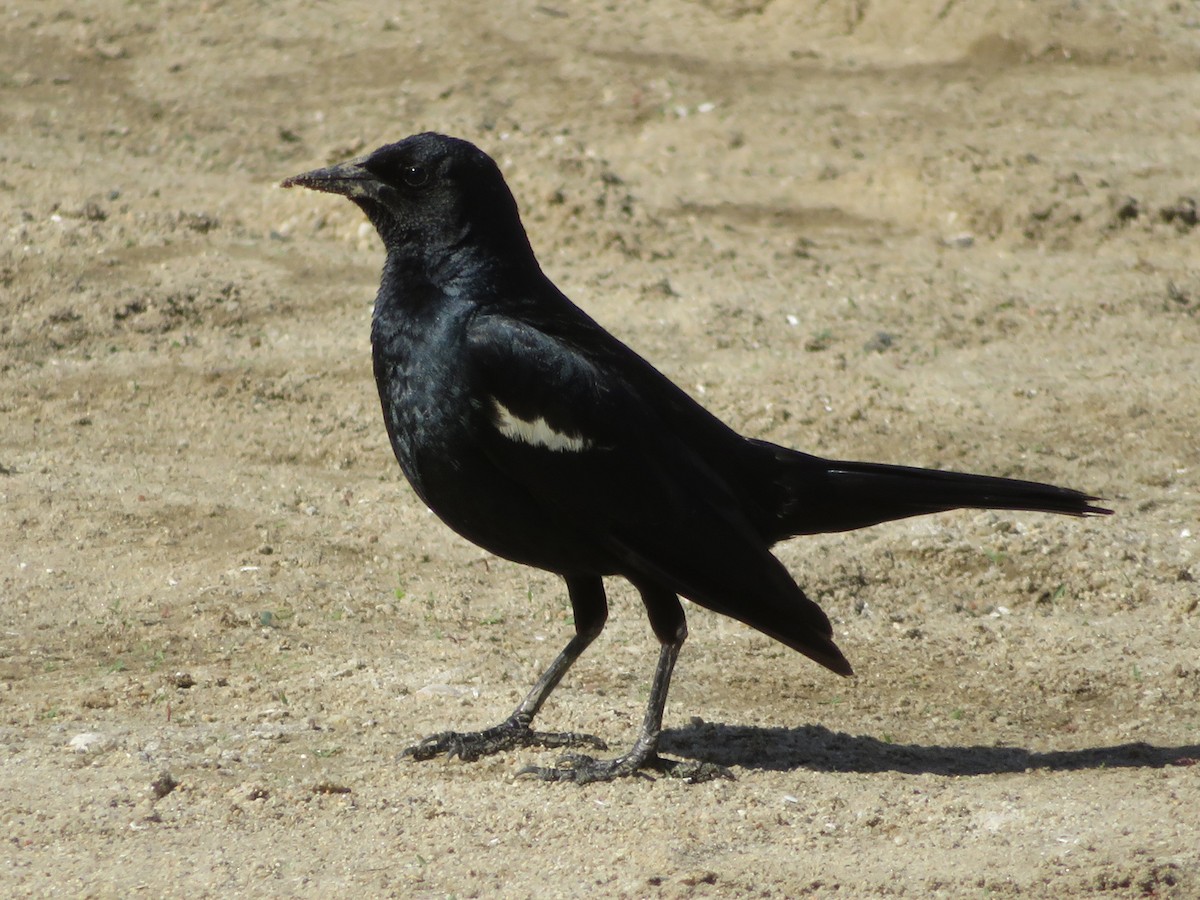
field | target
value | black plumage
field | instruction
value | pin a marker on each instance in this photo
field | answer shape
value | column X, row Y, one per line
column 536, row 434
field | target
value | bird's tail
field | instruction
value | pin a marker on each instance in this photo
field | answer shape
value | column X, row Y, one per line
column 820, row 495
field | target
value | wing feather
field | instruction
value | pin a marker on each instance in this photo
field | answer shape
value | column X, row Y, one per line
column 594, row 449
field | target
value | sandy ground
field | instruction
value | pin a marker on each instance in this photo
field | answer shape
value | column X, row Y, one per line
column 936, row 233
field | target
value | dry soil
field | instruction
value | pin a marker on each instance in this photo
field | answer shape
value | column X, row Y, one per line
column 936, row 233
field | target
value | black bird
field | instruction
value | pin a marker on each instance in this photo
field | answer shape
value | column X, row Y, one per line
column 534, row 433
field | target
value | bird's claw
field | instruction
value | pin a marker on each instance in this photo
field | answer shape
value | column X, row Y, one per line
column 582, row 769
column 472, row 745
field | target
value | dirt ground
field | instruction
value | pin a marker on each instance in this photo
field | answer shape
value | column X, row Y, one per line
column 934, row 233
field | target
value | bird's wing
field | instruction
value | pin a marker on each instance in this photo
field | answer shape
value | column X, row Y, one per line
column 581, row 425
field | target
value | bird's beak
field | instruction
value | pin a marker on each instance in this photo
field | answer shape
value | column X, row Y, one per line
column 350, row 179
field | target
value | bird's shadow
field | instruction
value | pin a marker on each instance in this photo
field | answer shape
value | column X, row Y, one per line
column 818, row 749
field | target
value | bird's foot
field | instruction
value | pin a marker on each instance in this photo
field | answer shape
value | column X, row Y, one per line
column 582, row 769
column 472, row 745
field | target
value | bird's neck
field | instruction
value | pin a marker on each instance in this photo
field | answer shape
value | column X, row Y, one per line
column 465, row 266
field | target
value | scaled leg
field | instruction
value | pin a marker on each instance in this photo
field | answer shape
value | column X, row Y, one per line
column 591, row 612
column 670, row 626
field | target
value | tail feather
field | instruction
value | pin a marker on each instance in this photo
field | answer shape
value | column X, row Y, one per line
column 821, row 495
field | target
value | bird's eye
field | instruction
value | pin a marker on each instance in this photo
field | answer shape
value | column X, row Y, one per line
column 414, row 176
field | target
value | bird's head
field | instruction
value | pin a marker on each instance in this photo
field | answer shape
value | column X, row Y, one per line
column 430, row 197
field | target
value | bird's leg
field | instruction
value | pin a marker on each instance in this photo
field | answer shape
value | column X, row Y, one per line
column 515, row 731
column 583, row 769
column 667, row 619
column 591, row 611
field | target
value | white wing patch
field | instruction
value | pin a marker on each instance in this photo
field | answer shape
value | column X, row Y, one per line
column 536, row 433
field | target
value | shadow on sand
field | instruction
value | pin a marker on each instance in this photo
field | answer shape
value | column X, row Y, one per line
column 818, row 749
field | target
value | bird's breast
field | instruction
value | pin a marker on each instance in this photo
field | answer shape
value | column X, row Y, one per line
column 435, row 426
